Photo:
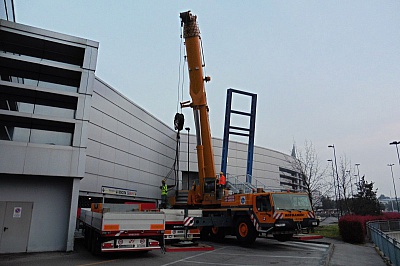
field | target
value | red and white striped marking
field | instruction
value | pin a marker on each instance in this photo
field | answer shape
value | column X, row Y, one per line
column 277, row 215
column 255, row 223
column 188, row 221
column 311, row 215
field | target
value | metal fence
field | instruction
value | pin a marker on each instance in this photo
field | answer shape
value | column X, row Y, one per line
column 381, row 233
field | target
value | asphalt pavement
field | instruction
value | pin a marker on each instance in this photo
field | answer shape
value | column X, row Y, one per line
column 346, row 254
column 323, row 252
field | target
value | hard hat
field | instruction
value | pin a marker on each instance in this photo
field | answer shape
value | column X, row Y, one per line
column 221, row 172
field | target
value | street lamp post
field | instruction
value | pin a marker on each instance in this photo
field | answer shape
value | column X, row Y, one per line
column 397, row 149
column 334, row 186
column 188, row 174
column 394, row 186
column 337, row 178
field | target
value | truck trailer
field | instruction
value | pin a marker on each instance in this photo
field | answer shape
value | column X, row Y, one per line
column 122, row 227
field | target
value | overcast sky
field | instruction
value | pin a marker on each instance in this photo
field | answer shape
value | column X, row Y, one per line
column 324, row 71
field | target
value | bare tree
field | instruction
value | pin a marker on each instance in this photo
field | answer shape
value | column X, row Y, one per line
column 305, row 162
column 345, row 182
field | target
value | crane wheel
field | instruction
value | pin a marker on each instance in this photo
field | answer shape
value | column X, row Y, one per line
column 245, row 231
column 217, row 234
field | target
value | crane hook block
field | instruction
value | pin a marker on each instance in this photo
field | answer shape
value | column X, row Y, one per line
column 207, row 78
column 179, row 120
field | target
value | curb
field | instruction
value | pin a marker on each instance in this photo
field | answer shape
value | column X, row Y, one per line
column 327, row 257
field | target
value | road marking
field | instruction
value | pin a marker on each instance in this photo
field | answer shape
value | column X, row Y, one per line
column 213, row 263
column 194, row 256
column 96, row 263
column 303, row 245
column 270, row 256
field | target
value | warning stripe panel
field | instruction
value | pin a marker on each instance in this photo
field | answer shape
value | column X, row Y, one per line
column 277, row 215
column 188, row 221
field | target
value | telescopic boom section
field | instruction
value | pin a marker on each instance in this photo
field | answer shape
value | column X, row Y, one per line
column 205, row 154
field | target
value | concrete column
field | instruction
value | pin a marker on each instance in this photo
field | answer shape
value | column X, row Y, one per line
column 72, row 214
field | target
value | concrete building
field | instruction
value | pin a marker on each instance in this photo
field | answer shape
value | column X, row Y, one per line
column 66, row 137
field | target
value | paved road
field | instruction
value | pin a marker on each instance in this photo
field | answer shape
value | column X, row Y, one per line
column 263, row 252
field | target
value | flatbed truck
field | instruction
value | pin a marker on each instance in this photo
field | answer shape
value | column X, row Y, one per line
column 122, row 227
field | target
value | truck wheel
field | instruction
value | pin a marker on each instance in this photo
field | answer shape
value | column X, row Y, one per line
column 96, row 243
column 85, row 236
column 245, row 232
column 205, row 233
column 217, row 234
column 89, row 238
column 283, row 237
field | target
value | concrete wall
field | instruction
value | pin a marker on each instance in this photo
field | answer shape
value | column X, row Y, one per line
column 51, row 199
column 45, row 95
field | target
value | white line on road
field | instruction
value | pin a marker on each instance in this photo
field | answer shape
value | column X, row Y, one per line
column 269, row 256
column 194, row 256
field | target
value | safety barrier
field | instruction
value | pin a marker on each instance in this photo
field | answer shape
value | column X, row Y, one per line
column 383, row 234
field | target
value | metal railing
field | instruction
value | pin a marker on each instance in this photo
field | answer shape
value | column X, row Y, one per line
column 239, row 184
column 384, row 235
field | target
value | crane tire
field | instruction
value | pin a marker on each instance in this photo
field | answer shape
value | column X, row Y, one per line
column 245, row 231
column 217, row 234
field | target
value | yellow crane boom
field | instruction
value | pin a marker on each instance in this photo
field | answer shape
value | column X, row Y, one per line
column 205, row 155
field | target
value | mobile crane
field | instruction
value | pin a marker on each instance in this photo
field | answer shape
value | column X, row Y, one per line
column 245, row 215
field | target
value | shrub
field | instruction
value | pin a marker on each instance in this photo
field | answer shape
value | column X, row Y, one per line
column 352, row 228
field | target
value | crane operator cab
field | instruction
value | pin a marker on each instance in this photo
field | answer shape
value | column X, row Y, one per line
column 263, row 203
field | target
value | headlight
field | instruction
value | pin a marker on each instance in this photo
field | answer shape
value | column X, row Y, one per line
column 280, row 225
column 314, row 223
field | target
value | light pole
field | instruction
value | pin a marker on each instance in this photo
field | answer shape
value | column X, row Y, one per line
column 397, row 149
column 337, row 178
column 394, row 186
column 334, row 186
column 188, row 130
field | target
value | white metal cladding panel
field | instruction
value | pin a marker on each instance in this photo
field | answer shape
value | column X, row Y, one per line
column 120, row 183
column 51, row 199
column 89, row 183
column 121, row 172
column 92, row 165
column 134, row 146
column 106, row 169
column 108, row 137
column 122, row 157
column 107, row 153
column 133, row 220
column 93, row 148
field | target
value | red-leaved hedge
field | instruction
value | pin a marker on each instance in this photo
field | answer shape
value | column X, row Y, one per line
column 352, row 228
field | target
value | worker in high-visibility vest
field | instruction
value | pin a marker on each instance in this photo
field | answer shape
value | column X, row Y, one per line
column 164, row 193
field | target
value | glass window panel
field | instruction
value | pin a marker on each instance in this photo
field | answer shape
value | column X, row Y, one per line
column 20, row 134
column 54, row 111
column 25, row 107
column 44, row 84
column 51, row 137
column 56, row 86
column 3, row 14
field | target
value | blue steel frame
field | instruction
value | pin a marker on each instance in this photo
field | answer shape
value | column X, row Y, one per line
column 249, row 132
